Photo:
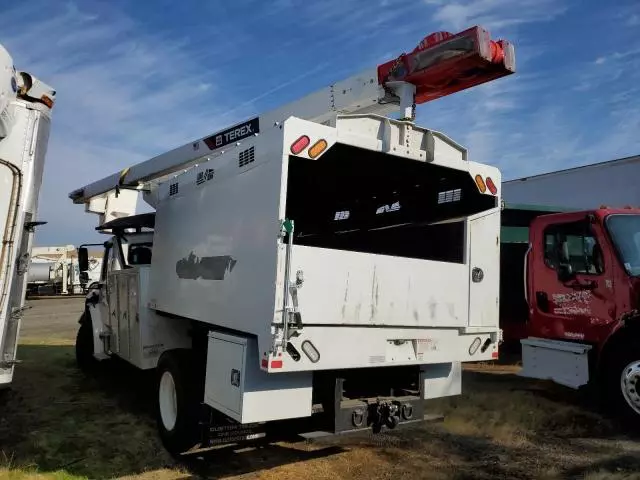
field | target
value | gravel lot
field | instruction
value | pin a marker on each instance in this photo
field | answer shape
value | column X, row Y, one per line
column 51, row 319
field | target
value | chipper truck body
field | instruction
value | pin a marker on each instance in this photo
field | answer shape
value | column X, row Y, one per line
column 322, row 266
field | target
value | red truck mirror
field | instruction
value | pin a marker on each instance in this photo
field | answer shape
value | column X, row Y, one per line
column 565, row 272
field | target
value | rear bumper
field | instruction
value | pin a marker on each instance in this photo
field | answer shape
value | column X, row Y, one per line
column 313, row 427
column 340, row 347
column 345, row 401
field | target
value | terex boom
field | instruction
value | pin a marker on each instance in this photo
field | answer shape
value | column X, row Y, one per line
column 321, row 266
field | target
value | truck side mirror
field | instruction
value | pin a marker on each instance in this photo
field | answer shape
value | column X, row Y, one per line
column 565, row 272
column 83, row 259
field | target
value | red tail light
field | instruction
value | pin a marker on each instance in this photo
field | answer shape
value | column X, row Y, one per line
column 491, row 186
column 300, row 144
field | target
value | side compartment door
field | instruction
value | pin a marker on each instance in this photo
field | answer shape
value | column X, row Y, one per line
column 135, row 348
column 484, row 269
column 123, row 314
column 570, row 279
column 114, row 311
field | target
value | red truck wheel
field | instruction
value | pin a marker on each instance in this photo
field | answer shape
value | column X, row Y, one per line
column 630, row 385
column 84, row 346
column 624, row 382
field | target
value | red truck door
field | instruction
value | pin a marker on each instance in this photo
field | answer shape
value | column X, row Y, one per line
column 570, row 278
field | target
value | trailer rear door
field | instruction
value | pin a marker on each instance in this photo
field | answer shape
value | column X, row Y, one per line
column 384, row 240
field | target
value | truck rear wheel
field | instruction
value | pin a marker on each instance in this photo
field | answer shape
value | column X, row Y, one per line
column 84, row 346
column 177, row 408
column 624, row 382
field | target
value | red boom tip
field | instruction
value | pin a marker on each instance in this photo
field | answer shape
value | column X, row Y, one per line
column 444, row 63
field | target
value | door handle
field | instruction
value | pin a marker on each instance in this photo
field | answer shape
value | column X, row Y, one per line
column 543, row 301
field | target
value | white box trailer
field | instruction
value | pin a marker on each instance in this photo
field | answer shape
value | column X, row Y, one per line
column 25, row 119
column 613, row 183
column 320, row 265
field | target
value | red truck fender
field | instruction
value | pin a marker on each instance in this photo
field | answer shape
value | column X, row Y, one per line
column 626, row 328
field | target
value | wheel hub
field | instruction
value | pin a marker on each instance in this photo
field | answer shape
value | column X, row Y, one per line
column 167, row 400
column 630, row 383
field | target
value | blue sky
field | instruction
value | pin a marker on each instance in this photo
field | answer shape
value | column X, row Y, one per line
column 137, row 78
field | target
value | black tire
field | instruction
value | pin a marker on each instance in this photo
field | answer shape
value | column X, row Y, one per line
column 625, row 355
column 84, row 346
column 183, row 435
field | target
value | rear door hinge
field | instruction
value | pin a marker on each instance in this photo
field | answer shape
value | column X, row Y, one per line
column 22, row 264
column 17, row 312
column 10, row 363
column 31, row 226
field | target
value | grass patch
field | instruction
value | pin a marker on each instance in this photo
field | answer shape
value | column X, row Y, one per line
column 606, row 475
column 58, row 424
column 13, row 474
column 59, row 420
column 518, row 417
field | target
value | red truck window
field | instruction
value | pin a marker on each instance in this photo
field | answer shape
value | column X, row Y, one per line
column 573, row 243
column 625, row 230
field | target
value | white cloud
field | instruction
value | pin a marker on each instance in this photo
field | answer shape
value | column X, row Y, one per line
column 128, row 90
column 123, row 96
column 544, row 117
column 532, row 123
column 631, row 52
column 494, row 14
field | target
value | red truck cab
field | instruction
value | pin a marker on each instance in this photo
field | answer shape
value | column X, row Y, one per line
column 577, row 315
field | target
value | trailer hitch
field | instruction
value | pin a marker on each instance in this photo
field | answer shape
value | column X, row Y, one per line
column 384, row 413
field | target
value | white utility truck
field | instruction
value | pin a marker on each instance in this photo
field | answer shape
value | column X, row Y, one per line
column 321, row 267
column 25, row 119
column 55, row 271
column 51, row 266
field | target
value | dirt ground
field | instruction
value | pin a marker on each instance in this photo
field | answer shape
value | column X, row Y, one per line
column 57, row 424
column 52, row 319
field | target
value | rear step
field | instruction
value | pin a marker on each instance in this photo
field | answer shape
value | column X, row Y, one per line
column 566, row 363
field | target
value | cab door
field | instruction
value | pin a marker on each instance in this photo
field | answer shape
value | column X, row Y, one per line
column 570, row 279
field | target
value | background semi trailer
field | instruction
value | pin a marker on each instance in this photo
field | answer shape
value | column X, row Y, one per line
column 320, row 265
column 570, row 293
column 25, row 109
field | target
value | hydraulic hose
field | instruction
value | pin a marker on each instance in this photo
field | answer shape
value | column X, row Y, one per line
column 6, row 249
